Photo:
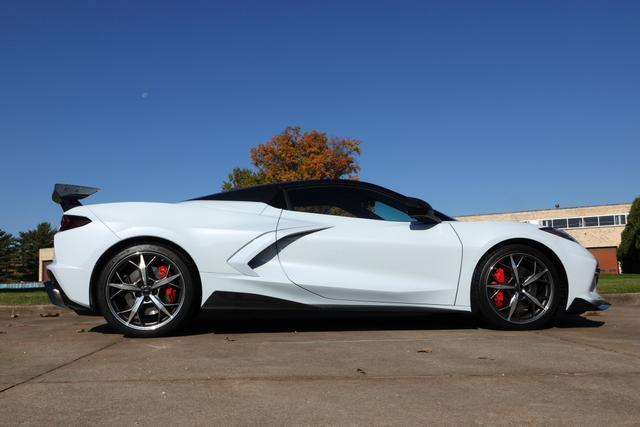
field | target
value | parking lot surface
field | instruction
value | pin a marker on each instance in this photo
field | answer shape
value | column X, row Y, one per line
column 320, row 368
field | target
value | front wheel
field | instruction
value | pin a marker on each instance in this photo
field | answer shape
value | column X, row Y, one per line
column 516, row 287
column 147, row 290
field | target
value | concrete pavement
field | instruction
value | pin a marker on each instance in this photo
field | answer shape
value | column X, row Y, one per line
column 320, row 368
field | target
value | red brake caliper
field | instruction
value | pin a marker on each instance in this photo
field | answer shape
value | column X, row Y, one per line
column 499, row 276
column 169, row 292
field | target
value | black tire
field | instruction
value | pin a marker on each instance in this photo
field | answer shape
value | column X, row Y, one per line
column 190, row 301
column 493, row 315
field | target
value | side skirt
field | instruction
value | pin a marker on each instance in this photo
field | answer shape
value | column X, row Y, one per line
column 220, row 300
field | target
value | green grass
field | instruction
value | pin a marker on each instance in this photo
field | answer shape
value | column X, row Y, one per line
column 27, row 296
column 619, row 283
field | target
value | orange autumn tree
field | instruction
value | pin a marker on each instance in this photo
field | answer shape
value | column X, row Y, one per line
column 293, row 155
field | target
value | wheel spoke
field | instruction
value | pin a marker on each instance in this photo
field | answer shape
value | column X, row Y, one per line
column 160, row 305
column 535, row 268
column 134, row 309
column 165, row 281
column 502, row 287
column 514, row 268
column 500, row 263
column 534, row 278
column 124, row 287
column 534, row 299
column 513, row 305
column 143, row 270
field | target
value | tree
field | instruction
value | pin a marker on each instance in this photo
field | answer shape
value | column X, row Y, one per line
column 7, row 254
column 29, row 243
column 242, row 177
column 293, row 155
column 629, row 249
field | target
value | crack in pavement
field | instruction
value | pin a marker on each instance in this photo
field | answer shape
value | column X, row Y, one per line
column 61, row 366
column 359, row 378
column 587, row 344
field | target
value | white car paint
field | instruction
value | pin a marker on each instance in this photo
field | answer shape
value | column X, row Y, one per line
column 479, row 237
column 356, row 259
column 319, row 260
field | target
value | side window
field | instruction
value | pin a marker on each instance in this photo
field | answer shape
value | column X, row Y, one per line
column 349, row 202
column 389, row 213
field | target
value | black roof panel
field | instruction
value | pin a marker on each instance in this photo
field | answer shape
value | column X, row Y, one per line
column 272, row 194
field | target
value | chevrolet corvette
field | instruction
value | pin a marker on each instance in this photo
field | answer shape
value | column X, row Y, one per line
column 148, row 268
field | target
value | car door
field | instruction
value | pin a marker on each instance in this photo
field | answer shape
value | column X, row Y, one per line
column 360, row 245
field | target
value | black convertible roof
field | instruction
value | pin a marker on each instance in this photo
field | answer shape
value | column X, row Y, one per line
column 272, row 194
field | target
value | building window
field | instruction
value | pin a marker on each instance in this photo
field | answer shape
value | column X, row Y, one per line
column 589, row 221
column 575, row 222
column 560, row 223
column 606, row 220
column 620, row 219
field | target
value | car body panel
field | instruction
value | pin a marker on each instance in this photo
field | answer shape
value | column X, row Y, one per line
column 359, row 259
column 76, row 253
column 315, row 259
column 478, row 238
column 210, row 232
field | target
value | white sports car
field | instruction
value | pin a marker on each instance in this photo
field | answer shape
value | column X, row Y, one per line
column 149, row 267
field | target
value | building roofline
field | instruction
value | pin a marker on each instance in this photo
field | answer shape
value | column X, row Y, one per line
column 542, row 210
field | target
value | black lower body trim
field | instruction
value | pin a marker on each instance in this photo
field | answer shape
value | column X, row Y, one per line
column 55, row 294
column 223, row 300
column 238, row 300
column 579, row 306
column 59, row 298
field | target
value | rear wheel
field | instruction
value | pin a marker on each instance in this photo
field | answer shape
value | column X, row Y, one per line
column 147, row 290
column 516, row 287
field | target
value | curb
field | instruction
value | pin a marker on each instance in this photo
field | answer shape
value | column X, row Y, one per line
column 623, row 299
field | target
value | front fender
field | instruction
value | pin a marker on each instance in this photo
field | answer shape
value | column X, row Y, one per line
column 479, row 237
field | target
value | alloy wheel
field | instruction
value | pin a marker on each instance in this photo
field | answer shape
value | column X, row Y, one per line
column 145, row 290
column 519, row 288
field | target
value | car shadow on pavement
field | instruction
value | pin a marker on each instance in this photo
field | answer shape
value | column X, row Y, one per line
column 273, row 321
column 575, row 321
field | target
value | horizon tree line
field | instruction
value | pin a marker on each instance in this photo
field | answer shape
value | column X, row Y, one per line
column 19, row 255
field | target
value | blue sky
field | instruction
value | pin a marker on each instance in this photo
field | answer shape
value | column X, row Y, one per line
column 473, row 106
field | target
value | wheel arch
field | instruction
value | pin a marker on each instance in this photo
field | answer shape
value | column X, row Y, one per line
column 564, row 281
column 97, row 268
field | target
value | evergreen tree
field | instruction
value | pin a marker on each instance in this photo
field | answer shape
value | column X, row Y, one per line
column 7, row 255
column 629, row 249
column 29, row 244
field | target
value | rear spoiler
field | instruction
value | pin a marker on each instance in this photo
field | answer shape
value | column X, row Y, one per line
column 68, row 195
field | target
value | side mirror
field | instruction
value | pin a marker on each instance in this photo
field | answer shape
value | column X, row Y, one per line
column 421, row 210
